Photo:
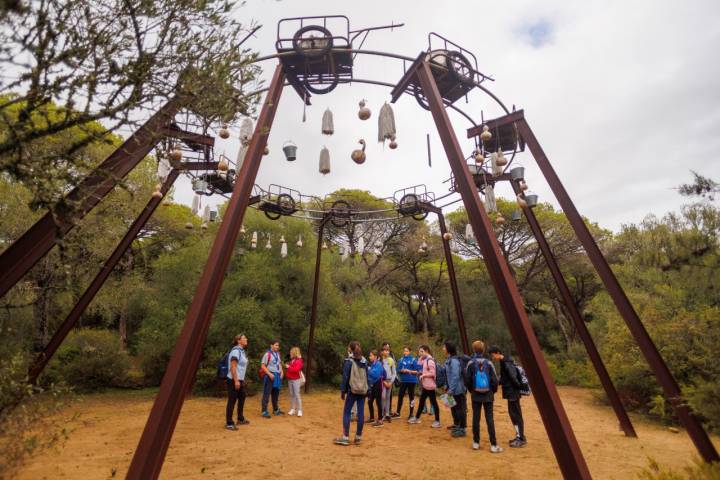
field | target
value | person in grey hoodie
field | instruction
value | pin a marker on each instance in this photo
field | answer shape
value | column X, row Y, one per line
column 390, row 376
column 456, row 387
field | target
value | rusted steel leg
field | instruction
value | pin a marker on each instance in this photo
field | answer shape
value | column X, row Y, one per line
column 562, row 439
column 150, row 453
column 622, row 416
column 69, row 323
column 637, row 329
column 27, row 250
column 313, row 310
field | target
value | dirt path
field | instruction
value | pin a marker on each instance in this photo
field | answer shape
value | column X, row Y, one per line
column 108, row 427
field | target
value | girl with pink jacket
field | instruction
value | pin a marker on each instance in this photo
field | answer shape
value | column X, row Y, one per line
column 427, row 382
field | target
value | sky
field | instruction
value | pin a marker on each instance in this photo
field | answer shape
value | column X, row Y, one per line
column 624, row 98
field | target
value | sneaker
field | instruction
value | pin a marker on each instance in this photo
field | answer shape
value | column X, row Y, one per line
column 377, row 423
column 230, row 426
column 291, row 412
column 266, row 414
column 278, row 412
column 243, row 422
column 458, row 433
column 496, row 449
column 476, row 446
column 453, row 427
column 387, row 419
column 518, row 443
column 357, row 440
column 395, row 415
column 436, row 424
column 342, row 441
column 414, row 421
column 370, row 420
column 299, row 413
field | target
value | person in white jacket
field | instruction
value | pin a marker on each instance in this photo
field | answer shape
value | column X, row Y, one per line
column 390, row 376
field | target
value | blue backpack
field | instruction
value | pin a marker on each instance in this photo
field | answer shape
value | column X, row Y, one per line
column 223, row 366
column 482, row 378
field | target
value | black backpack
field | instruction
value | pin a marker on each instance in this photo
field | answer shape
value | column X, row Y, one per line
column 223, row 366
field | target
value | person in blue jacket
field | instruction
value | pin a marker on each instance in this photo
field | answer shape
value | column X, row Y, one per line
column 456, row 387
column 353, row 390
column 376, row 375
column 408, row 369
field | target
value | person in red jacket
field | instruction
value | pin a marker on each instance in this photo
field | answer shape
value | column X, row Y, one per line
column 295, row 378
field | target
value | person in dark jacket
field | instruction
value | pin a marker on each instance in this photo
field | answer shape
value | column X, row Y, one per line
column 482, row 397
column 511, row 385
column 456, row 387
column 376, row 375
column 353, row 399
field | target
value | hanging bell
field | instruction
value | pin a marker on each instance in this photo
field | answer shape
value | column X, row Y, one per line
column 299, row 242
column 290, row 151
column 328, row 127
column 501, row 160
column 283, row 250
column 531, row 199
column 517, row 172
column 358, row 155
column 447, row 236
column 486, row 136
column 254, row 240
column 521, row 201
column 516, row 215
column 386, row 125
column 364, row 112
column 224, row 132
column 324, row 161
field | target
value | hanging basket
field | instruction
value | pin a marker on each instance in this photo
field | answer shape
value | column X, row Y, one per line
column 328, row 126
column 517, row 172
column 386, row 124
column 324, row 167
column 531, row 199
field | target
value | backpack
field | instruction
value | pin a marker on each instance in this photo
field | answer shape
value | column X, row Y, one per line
column 223, row 366
column 524, row 384
column 481, row 383
column 358, row 380
column 440, row 375
column 261, row 372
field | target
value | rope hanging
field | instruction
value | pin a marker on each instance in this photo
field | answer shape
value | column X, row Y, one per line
column 386, row 124
column 324, row 161
column 328, row 127
column 490, row 203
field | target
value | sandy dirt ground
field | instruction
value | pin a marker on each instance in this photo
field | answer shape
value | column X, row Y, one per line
column 105, row 429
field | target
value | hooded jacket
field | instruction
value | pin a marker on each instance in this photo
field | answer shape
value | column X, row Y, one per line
column 376, row 372
column 408, row 362
column 347, row 368
column 429, row 373
column 455, row 376
column 472, row 366
column 509, row 379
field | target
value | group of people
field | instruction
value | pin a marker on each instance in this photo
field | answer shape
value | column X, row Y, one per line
column 374, row 379
column 272, row 372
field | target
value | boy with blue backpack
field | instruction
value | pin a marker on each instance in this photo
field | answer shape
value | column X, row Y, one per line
column 481, row 380
column 271, row 373
column 514, row 386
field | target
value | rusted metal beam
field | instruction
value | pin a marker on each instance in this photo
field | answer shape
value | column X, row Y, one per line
column 188, row 138
column 150, row 452
column 71, row 320
column 595, row 358
column 195, row 165
column 664, row 377
column 27, row 250
column 313, row 310
column 495, row 123
column 562, row 439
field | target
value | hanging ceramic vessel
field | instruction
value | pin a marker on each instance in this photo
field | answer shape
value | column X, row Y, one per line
column 341, row 250
column 266, row 150
column 522, row 203
column 328, row 127
column 358, row 155
column 223, row 165
column 175, row 154
column 206, row 214
column 486, row 136
column 447, row 236
column 254, row 240
column 479, row 159
column 386, row 124
column 268, row 245
column 163, row 169
column 246, row 131
column 324, row 161
column 500, row 220
column 283, row 250
column 501, row 160
column 393, row 144
column 290, row 151
column 189, row 225
column 204, row 227
column 490, row 203
column 157, row 193
column 531, row 199
column 324, row 245
column 517, row 172
column 364, row 112
column 516, row 215
column 224, row 132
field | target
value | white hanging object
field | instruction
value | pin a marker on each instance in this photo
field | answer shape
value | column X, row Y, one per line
column 324, row 161
column 496, row 168
column 328, row 127
column 341, row 250
column 268, row 245
column 386, row 124
column 490, row 203
column 163, row 169
column 324, row 245
column 253, row 242
column 246, row 131
column 195, row 204
column 361, row 246
column 282, row 239
column 299, row 242
column 206, row 214
column 345, row 254
column 469, row 234
column 283, row 250
column 364, row 112
column 242, row 229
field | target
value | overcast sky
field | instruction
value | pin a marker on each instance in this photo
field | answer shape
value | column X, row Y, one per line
column 623, row 96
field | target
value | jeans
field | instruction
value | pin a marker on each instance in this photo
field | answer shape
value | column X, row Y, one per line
column 386, row 400
column 516, row 417
column 269, row 391
column 410, row 389
column 459, row 411
column 233, row 397
column 476, row 407
column 295, row 399
column 375, row 396
column 433, row 401
column 357, row 401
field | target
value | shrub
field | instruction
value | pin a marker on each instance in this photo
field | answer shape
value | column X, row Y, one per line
column 90, row 360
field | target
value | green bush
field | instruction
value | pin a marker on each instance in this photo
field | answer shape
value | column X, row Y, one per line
column 90, row 360
column 699, row 471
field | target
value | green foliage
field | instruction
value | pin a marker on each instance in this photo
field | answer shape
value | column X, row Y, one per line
column 699, row 471
column 90, row 360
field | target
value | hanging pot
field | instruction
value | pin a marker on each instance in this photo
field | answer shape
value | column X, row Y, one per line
column 199, row 186
column 469, row 234
column 447, row 236
column 324, row 161
column 266, row 150
column 268, row 245
column 222, row 165
column 189, row 225
column 283, row 250
column 224, row 132
column 517, row 172
column 290, row 151
column 246, row 131
column 157, row 193
column 479, row 158
column 501, row 160
column 358, row 155
column 532, row 200
column 364, row 112
column 516, row 215
column 486, row 136
column 324, row 245
column 176, row 154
